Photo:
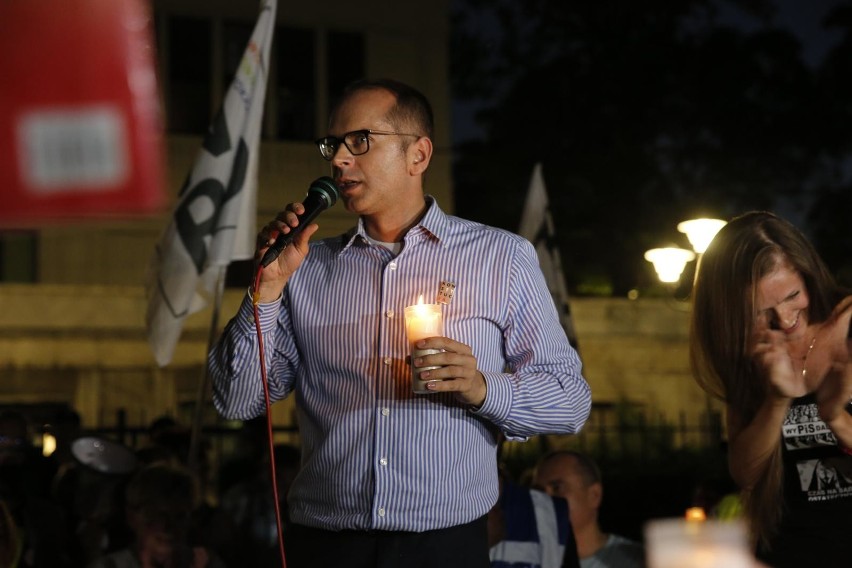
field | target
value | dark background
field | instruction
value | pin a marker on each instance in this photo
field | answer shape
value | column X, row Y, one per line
column 644, row 114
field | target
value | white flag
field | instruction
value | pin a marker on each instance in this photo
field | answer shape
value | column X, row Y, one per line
column 537, row 227
column 216, row 213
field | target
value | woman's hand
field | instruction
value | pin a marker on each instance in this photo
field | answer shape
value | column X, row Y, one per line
column 770, row 355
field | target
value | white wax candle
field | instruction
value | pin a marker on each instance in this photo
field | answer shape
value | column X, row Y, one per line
column 423, row 320
column 678, row 543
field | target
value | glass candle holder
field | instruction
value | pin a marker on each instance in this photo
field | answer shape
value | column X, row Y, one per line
column 422, row 321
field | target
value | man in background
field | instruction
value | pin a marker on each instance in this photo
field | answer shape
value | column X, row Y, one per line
column 577, row 478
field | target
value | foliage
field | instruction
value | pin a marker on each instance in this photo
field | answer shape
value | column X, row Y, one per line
column 645, row 114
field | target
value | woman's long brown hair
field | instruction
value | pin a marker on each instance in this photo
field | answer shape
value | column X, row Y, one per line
column 746, row 249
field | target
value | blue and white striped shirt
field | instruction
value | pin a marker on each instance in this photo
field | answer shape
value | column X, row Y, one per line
column 375, row 455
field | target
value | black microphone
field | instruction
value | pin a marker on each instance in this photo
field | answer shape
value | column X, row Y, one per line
column 322, row 194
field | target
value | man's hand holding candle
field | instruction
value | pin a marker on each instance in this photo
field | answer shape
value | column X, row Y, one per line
column 457, row 373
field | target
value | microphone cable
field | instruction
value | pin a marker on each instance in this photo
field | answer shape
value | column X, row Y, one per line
column 269, row 434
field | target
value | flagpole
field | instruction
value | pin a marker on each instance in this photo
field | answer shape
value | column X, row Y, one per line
column 204, row 383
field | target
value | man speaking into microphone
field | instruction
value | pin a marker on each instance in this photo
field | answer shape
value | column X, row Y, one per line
column 390, row 477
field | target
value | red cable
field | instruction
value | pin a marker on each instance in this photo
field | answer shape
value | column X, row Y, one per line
column 269, row 436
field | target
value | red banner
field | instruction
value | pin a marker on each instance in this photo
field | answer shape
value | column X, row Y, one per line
column 80, row 118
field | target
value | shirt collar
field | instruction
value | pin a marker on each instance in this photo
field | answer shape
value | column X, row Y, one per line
column 434, row 221
column 433, row 224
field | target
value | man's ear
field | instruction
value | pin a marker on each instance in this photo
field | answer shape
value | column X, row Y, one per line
column 595, row 492
column 419, row 155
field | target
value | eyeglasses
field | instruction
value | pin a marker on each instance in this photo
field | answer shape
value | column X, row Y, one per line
column 357, row 142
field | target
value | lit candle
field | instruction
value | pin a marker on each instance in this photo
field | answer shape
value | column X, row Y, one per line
column 696, row 514
column 422, row 321
column 682, row 543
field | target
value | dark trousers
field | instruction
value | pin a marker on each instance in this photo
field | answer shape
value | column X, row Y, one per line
column 463, row 546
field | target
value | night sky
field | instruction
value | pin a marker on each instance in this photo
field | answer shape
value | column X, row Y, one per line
column 802, row 17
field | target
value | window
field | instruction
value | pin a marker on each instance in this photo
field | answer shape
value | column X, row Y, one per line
column 295, row 92
column 189, row 59
column 18, row 251
column 345, row 60
column 291, row 101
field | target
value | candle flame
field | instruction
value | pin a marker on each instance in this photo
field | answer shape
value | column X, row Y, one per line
column 420, row 300
column 696, row 514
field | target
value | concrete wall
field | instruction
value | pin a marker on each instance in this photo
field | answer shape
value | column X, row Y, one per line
column 86, row 346
column 637, row 350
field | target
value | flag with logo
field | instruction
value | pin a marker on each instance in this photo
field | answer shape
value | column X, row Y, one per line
column 537, row 227
column 215, row 215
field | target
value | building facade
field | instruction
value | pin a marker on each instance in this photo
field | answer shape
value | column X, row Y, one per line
column 72, row 301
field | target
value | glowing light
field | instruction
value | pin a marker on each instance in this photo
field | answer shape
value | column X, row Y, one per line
column 700, row 232
column 48, row 444
column 669, row 262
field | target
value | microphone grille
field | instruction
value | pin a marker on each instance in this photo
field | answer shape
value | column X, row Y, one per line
column 326, row 188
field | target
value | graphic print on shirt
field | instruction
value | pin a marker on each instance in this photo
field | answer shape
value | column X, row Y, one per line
column 821, row 479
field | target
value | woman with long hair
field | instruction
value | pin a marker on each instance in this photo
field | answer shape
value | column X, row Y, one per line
column 770, row 337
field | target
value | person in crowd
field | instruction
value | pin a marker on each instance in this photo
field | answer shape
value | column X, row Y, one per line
column 169, row 443
column 65, row 426
column 576, row 477
column 249, row 456
column 769, row 336
column 250, row 505
column 160, row 500
column 17, row 449
column 390, row 477
column 90, row 491
column 33, row 528
column 718, row 498
column 530, row 529
column 11, row 539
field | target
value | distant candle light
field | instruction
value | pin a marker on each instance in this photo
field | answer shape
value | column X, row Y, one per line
column 48, row 444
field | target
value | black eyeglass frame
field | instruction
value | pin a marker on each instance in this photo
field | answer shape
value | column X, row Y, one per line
column 333, row 142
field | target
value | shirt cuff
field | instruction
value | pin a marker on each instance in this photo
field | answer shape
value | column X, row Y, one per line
column 268, row 314
column 498, row 397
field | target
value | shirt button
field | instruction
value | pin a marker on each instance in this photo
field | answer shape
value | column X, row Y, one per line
column 387, row 360
column 383, row 461
column 389, row 313
column 385, row 411
column 392, row 265
column 381, row 511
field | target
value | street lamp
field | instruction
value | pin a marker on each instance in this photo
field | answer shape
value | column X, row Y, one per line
column 700, row 232
column 669, row 262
